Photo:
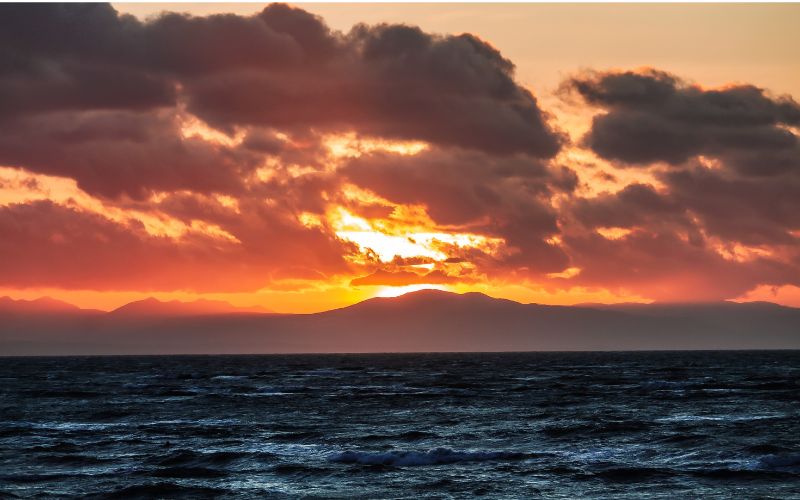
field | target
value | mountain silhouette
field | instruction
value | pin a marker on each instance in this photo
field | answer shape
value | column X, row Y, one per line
column 42, row 305
column 424, row 321
column 154, row 307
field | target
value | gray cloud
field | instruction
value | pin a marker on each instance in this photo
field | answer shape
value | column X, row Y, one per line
column 653, row 116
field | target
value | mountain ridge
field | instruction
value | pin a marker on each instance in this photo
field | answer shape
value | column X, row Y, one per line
column 152, row 306
column 44, row 304
column 423, row 321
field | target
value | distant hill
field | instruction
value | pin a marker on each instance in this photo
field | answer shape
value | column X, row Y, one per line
column 424, row 321
column 42, row 305
column 155, row 307
column 680, row 308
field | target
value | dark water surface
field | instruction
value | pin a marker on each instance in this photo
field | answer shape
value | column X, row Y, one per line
column 553, row 425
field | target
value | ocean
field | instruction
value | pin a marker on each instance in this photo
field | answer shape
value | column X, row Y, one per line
column 511, row 425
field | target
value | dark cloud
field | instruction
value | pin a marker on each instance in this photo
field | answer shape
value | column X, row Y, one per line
column 282, row 67
column 172, row 43
column 665, row 266
column 751, row 210
column 390, row 81
column 652, row 116
column 102, row 99
column 458, row 188
column 704, row 235
column 99, row 99
column 633, row 206
column 122, row 152
column 81, row 86
column 716, row 226
column 57, row 57
column 717, row 201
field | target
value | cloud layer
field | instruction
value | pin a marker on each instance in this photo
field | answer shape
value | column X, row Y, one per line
column 235, row 153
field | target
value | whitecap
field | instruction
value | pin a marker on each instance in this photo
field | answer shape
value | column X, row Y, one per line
column 229, row 377
column 719, row 418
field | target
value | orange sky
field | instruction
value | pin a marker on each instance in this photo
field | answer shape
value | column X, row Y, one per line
column 557, row 154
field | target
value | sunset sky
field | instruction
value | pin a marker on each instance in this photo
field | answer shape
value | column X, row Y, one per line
column 307, row 157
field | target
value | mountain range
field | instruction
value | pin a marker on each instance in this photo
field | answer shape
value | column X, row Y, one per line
column 155, row 307
column 423, row 321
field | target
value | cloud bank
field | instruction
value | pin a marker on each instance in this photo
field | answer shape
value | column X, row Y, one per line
column 233, row 153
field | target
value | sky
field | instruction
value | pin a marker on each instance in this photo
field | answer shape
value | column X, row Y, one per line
column 307, row 157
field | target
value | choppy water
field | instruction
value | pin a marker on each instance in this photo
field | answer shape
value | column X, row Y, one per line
column 613, row 425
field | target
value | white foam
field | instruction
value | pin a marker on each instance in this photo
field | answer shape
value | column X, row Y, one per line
column 718, row 418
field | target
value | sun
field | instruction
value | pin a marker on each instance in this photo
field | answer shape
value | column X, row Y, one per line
column 396, row 291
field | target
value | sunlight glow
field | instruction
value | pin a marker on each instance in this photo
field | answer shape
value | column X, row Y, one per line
column 390, row 240
column 570, row 272
column 396, row 291
column 737, row 252
column 350, row 145
column 613, row 233
column 194, row 128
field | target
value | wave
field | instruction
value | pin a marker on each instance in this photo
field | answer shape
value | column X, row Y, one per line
column 767, row 448
column 436, row 456
column 59, row 446
column 70, row 459
column 404, row 436
column 663, row 385
column 111, row 414
column 161, row 490
column 61, row 393
column 681, row 438
column 285, row 469
column 295, row 436
column 188, row 472
column 719, row 418
column 633, row 474
column 781, row 461
column 602, row 427
column 190, row 458
column 728, row 474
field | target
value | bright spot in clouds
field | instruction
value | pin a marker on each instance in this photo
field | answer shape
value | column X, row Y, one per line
column 406, row 241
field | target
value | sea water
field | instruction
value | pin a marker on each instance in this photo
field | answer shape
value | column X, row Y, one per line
column 528, row 425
